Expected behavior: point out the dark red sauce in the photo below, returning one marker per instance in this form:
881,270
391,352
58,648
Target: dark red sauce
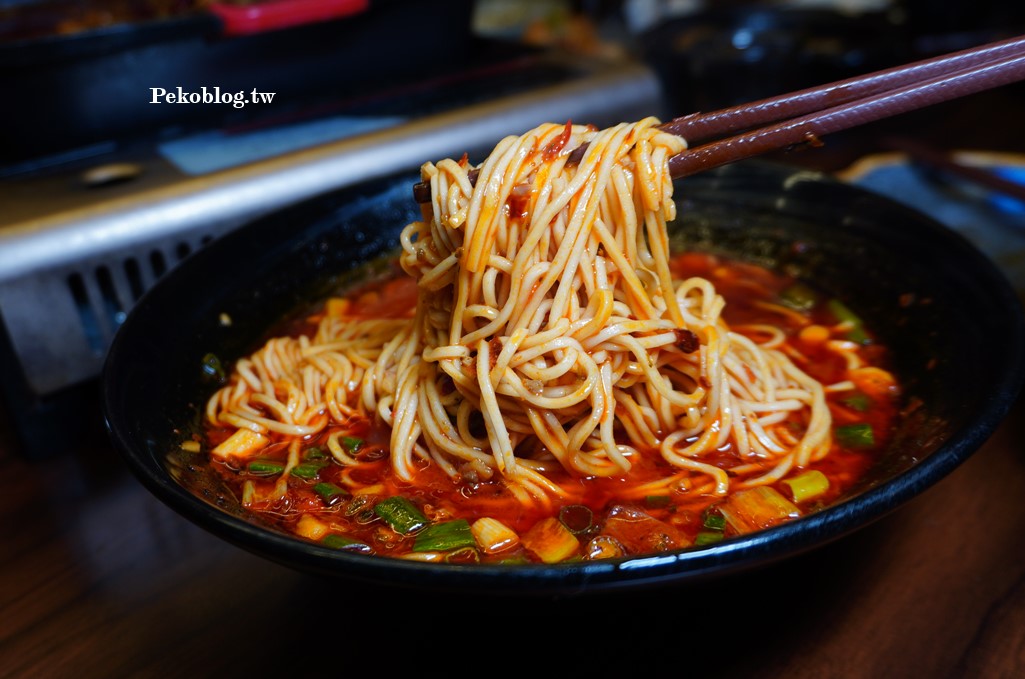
617,526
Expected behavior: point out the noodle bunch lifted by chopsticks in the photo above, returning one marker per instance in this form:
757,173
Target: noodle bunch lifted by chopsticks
547,309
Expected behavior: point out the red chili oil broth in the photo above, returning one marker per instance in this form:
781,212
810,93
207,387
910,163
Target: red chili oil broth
441,499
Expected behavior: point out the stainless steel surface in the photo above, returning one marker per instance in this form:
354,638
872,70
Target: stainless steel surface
71,267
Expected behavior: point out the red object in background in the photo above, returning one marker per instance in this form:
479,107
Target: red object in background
277,14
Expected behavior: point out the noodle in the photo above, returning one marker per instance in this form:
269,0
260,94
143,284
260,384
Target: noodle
548,311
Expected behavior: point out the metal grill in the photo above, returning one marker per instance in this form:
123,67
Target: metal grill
104,295
61,321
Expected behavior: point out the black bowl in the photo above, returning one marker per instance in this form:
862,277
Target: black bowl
953,322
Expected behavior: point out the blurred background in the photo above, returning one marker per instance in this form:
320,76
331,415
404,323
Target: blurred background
105,184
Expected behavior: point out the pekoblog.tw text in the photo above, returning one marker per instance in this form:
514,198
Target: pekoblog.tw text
209,95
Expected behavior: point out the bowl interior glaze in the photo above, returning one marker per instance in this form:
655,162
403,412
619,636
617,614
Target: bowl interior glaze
953,322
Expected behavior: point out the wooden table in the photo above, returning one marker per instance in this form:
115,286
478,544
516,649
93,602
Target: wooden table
100,579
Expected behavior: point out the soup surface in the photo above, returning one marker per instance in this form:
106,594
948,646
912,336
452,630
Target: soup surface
338,488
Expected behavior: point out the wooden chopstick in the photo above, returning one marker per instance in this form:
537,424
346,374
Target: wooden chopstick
698,127
803,117
810,128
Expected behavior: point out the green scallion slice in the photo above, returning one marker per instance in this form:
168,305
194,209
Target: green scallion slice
315,453
463,555
265,467
799,296
707,537
856,435
844,315
212,368
329,492
357,505
656,501
401,514
714,521
352,443
308,470
341,542
445,537
858,401
577,518
807,485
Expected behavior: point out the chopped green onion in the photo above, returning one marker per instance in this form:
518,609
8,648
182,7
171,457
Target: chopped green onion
401,514
352,444
366,517
656,501
577,518
463,555
858,401
308,470
492,535
604,547
707,537
807,485
755,508
845,315
265,467
799,296
341,542
357,504
856,435
445,537
714,521
212,368
329,492
315,453
550,541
